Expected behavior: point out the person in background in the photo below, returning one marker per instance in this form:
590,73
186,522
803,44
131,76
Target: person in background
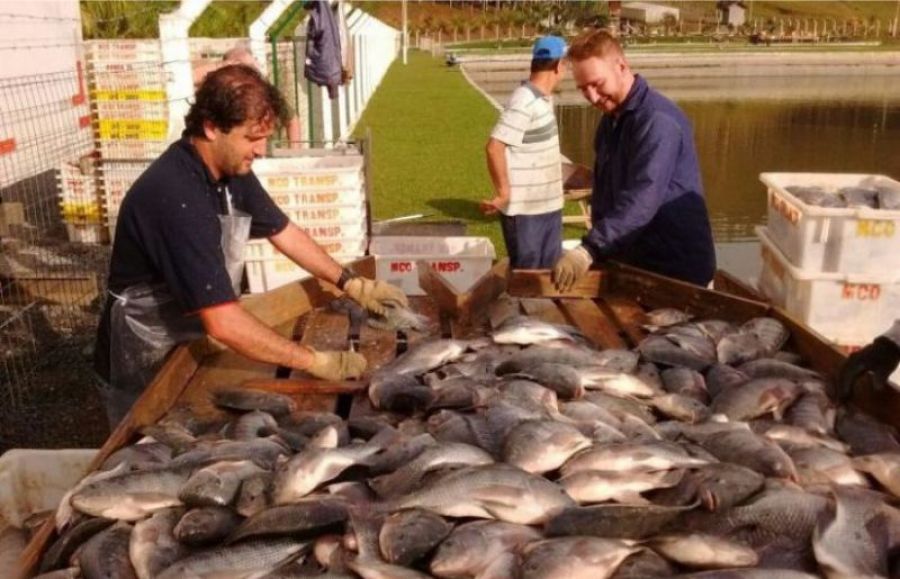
525,164
881,358
647,204
240,54
177,257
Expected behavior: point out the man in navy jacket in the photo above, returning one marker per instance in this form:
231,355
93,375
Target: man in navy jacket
647,205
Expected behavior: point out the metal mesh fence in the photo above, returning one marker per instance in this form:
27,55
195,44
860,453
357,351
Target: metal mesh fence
48,285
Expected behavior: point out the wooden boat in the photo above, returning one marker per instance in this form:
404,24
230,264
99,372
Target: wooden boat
607,306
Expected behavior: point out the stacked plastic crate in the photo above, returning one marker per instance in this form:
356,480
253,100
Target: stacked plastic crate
830,253
128,96
323,194
80,201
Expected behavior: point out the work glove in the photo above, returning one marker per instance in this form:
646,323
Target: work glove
336,365
571,267
371,294
881,358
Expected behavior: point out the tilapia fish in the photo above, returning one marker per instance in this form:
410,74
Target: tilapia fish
707,451
398,317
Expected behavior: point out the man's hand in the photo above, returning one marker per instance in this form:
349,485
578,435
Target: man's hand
336,366
371,294
571,267
881,358
493,206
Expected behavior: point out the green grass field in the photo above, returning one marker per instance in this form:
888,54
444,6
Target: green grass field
429,127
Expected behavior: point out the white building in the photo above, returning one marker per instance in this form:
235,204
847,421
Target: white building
648,13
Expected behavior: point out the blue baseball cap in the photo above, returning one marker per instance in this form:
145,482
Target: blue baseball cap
549,48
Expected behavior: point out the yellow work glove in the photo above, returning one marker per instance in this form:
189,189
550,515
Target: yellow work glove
337,365
571,267
371,294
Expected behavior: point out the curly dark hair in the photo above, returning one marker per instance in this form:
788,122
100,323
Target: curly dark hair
232,95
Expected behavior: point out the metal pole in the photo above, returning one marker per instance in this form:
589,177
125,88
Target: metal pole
405,33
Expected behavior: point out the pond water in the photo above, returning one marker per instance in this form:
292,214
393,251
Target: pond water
748,125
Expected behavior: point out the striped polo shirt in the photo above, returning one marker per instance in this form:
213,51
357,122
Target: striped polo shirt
528,128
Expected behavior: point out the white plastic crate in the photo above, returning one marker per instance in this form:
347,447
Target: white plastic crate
289,174
268,273
262,249
823,239
326,214
136,109
847,308
136,150
86,232
329,231
461,260
306,198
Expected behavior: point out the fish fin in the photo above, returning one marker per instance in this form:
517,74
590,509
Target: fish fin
630,497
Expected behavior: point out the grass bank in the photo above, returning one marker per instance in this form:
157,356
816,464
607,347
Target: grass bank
429,128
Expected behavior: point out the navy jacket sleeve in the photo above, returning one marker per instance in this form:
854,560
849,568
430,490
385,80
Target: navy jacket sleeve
652,152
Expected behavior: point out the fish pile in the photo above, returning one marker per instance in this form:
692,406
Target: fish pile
708,451
880,197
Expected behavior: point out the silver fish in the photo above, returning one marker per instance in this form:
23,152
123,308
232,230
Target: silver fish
756,398
310,515
822,466
153,546
613,520
398,317
254,494
206,525
662,350
399,393
685,382
679,407
739,347
539,446
701,551
575,558
494,491
439,455
888,198
884,467
132,496
771,368
307,470
663,317
217,484
722,377
472,547
771,333
854,543
625,486
105,555
741,446
249,399
251,558
407,536
631,456
523,330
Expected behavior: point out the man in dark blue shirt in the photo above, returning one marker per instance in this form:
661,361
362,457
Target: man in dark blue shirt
177,257
647,204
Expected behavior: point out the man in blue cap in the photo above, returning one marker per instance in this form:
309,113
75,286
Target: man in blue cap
524,163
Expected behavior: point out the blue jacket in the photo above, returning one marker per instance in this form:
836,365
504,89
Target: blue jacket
323,46
647,205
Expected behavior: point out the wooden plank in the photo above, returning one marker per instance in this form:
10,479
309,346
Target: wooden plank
536,283
378,346
296,386
441,291
656,291
545,310
626,314
727,283
325,330
593,322
291,301
485,291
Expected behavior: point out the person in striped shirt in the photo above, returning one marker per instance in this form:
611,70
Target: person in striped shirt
525,164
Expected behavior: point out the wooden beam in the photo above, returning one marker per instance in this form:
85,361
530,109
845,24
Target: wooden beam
627,315
305,386
593,322
324,331
441,291
485,291
727,283
545,310
656,291
536,283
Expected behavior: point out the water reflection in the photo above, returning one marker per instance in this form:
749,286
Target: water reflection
739,138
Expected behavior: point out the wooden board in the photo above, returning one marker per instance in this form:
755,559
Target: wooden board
378,346
324,330
425,306
593,322
545,310
627,315
439,289
534,283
